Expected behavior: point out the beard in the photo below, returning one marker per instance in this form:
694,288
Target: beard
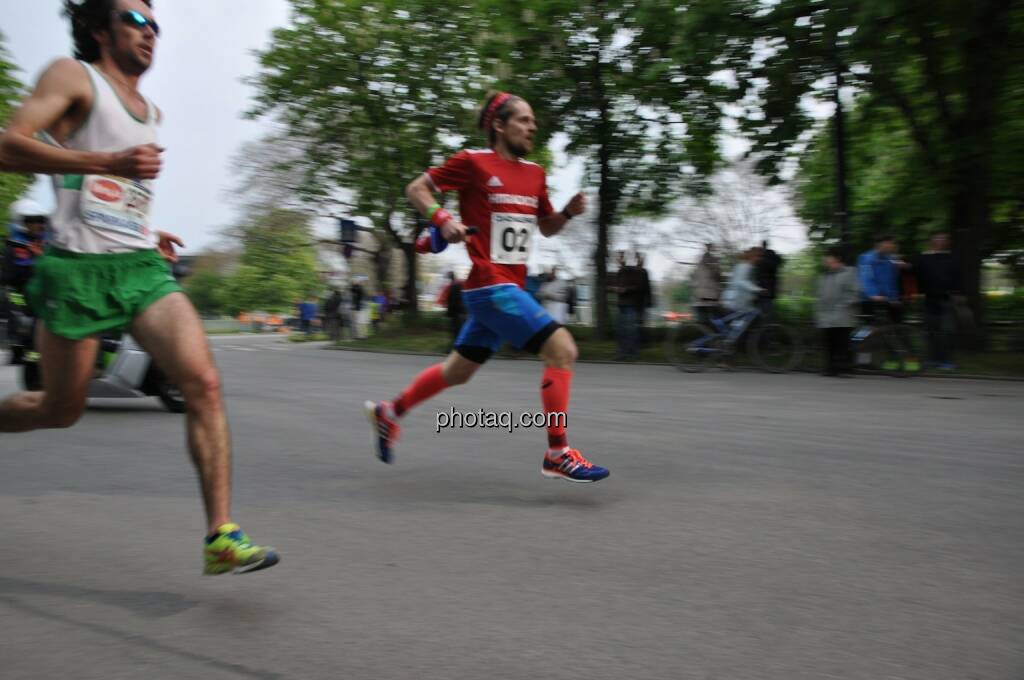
127,61
518,150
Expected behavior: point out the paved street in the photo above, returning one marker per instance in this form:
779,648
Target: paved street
754,526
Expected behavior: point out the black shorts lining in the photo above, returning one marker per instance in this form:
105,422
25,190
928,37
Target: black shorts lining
477,355
536,343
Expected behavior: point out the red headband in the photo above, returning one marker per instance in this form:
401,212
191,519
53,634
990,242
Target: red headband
498,101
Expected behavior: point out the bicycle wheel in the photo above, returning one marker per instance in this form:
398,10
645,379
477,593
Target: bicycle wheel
692,347
774,348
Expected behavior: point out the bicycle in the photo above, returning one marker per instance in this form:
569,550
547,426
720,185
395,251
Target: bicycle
893,349
692,347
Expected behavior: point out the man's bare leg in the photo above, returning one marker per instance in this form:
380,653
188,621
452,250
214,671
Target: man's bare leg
172,333
67,367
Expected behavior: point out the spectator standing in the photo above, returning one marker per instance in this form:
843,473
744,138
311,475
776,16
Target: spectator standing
938,278
554,296
646,299
766,275
307,313
706,285
629,286
878,277
359,318
332,315
835,312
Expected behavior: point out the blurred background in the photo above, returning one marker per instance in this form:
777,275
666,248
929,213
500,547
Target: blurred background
797,125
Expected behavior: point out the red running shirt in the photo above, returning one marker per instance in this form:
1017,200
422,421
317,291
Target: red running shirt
503,199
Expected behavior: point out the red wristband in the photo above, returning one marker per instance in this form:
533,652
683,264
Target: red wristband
441,217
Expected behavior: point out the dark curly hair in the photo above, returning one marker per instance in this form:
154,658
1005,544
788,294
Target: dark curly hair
503,113
88,17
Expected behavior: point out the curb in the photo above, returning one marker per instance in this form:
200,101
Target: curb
402,352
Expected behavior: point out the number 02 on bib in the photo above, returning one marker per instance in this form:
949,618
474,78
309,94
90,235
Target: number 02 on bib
511,237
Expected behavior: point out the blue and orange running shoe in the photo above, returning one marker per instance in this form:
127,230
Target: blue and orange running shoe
381,415
230,550
570,465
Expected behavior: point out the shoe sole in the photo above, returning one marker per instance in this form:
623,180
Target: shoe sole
265,563
559,475
371,415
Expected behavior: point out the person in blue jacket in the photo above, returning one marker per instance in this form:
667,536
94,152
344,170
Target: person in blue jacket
878,273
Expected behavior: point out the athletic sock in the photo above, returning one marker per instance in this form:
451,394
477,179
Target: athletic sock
554,394
427,384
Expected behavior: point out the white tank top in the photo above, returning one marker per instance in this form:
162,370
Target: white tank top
101,213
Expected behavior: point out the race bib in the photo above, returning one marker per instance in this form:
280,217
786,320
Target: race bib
116,204
511,237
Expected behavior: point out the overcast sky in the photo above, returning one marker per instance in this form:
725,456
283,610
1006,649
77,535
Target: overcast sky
204,52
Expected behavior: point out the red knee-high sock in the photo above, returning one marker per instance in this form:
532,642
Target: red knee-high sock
427,384
554,394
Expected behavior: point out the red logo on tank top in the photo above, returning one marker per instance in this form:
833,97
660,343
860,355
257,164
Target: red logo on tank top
108,191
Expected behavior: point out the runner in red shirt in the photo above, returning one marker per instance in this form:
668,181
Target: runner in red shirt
505,199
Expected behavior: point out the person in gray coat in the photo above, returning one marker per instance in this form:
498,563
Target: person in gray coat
706,286
835,312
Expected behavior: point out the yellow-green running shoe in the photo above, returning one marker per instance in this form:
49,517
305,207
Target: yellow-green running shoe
231,550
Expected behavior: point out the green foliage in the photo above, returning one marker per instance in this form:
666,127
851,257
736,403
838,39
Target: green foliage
375,92
679,295
208,291
278,265
12,185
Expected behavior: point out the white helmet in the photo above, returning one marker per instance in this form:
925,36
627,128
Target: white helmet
26,207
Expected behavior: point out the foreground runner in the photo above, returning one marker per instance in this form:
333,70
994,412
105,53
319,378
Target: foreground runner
104,270
503,197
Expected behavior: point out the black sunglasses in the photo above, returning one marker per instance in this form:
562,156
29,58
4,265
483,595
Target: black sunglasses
133,18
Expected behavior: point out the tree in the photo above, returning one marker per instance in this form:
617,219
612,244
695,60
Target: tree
208,291
891,189
373,90
278,263
738,212
950,71
12,185
583,69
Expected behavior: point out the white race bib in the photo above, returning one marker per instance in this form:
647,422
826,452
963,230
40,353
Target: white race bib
116,204
511,237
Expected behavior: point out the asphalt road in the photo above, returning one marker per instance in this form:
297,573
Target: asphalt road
754,526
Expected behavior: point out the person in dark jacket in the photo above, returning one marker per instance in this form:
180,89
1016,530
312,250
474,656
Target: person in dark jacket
938,278
766,275
332,315
630,289
646,299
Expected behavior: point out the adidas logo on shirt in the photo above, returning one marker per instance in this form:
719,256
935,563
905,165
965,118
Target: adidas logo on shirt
494,182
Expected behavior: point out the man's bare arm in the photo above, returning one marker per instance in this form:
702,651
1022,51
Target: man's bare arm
63,86
554,223
420,193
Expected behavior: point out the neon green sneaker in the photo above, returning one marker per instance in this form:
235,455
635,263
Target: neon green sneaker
231,550
890,365
912,365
